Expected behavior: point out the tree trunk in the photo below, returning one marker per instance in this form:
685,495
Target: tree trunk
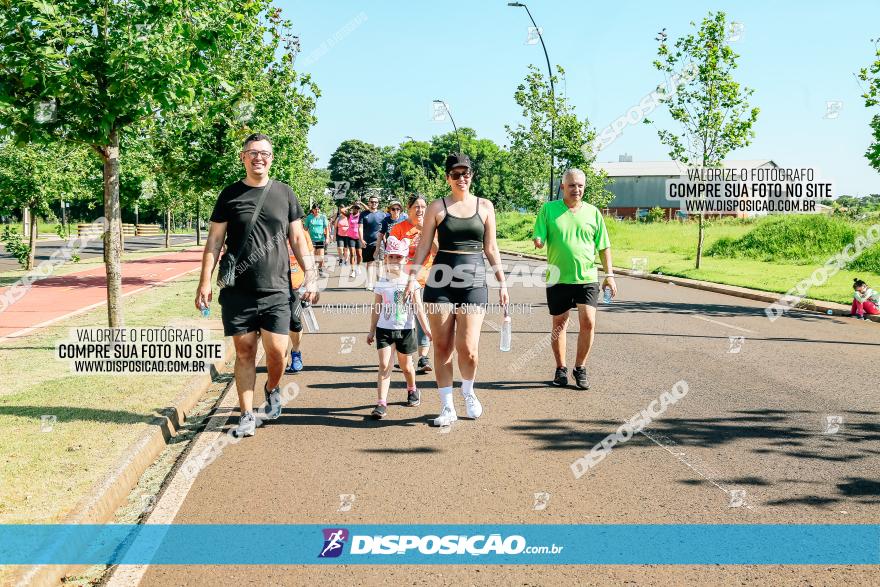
167,227
199,222
32,239
700,243
26,222
112,240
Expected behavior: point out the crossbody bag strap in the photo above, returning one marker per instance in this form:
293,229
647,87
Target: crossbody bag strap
253,220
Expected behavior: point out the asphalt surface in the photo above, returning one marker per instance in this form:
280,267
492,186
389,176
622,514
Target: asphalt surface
755,420
94,248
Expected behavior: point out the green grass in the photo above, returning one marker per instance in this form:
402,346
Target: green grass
671,249
44,474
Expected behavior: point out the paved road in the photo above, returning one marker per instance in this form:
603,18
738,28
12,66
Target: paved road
95,248
752,420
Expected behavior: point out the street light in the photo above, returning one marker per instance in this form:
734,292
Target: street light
457,138
552,92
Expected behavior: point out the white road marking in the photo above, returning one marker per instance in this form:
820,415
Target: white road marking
722,324
179,486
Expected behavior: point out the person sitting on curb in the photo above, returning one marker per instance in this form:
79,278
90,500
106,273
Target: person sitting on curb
866,301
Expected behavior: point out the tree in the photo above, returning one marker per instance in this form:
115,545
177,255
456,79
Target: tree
34,176
360,164
85,70
711,107
416,168
871,74
530,144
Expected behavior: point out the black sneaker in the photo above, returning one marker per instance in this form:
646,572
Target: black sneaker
413,398
560,379
424,366
580,377
379,412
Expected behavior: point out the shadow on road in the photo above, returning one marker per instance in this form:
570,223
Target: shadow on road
795,434
714,310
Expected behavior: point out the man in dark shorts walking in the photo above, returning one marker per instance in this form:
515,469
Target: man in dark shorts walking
573,231
257,305
370,226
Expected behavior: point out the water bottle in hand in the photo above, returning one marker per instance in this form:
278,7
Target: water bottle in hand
506,333
206,311
309,315
607,294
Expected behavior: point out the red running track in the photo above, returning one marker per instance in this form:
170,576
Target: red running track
55,298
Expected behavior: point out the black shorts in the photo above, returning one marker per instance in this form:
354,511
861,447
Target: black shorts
354,242
247,311
404,341
562,297
341,242
318,244
296,309
370,253
457,278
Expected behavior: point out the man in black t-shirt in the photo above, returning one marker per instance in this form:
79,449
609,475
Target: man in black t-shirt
258,305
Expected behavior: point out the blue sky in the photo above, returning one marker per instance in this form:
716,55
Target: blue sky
379,78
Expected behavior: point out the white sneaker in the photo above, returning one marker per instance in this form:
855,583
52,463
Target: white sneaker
247,425
272,408
351,274
474,407
447,416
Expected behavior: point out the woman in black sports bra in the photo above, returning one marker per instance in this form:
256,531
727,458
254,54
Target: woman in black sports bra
455,294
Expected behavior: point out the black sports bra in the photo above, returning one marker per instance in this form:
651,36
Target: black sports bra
461,235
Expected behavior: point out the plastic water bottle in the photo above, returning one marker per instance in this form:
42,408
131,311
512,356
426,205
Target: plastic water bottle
506,332
206,311
607,294
309,315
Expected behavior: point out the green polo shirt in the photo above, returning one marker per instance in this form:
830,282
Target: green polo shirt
572,239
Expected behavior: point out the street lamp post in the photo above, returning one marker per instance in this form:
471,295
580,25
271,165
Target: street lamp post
552,93
457,138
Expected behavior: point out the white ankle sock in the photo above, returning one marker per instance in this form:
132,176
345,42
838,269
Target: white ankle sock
467,386
446,398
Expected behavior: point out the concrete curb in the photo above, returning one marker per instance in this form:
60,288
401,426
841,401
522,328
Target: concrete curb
730,290
111,492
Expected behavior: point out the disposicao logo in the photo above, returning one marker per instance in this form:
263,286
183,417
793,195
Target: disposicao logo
334,541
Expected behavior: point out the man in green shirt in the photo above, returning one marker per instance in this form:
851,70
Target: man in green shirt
573,231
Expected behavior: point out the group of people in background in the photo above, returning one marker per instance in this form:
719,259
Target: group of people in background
432,291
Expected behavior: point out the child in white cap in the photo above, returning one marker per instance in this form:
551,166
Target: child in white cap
393,325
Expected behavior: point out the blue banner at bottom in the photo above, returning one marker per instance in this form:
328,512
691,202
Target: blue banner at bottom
536,544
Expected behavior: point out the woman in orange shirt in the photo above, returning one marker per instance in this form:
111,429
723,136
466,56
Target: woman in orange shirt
411,228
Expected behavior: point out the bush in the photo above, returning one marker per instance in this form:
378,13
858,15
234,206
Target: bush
798,239
515,225
655,214
869,260
15,246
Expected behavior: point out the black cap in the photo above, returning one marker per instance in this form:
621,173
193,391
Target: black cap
457,160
